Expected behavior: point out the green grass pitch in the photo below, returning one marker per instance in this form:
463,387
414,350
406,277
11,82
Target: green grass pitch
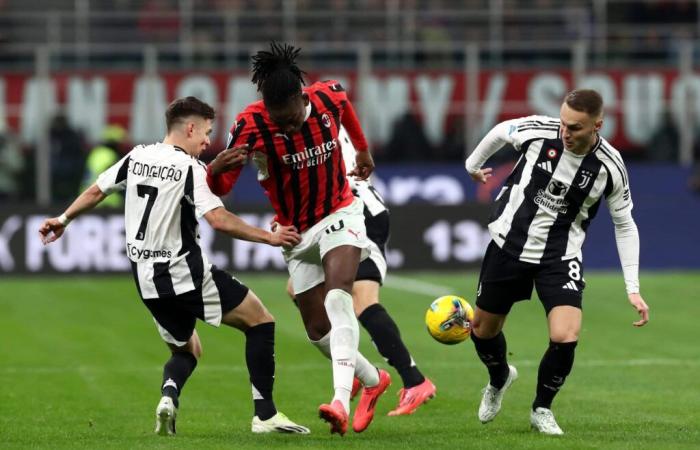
81,361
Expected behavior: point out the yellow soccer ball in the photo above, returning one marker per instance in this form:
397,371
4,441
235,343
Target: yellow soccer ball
449,319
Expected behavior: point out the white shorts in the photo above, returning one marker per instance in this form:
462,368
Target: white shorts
345,226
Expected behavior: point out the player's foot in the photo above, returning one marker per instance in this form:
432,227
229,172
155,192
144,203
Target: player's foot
410,399
491,401
335,415
364,413
279,423
356,385
542,419
166,412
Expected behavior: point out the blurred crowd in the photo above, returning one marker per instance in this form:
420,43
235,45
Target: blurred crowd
645,28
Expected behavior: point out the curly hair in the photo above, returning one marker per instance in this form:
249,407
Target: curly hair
276,73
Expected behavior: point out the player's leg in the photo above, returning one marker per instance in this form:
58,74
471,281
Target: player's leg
176,327
386,336
560,289
318,329
503,281
371,314
223,299
251,317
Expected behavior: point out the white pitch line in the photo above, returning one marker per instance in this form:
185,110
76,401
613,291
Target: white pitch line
649,362
416,286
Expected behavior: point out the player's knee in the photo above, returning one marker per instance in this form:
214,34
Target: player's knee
564,333
316,330
484,329
290,289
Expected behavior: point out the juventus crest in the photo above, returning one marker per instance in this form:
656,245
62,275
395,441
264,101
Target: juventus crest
585,178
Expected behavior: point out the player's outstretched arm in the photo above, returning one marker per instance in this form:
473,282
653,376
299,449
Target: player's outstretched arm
54,227
487,147
222,220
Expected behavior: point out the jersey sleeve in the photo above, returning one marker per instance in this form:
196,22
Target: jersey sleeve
352,124
114,178
204,199
242,132
617,190
531,127
348,117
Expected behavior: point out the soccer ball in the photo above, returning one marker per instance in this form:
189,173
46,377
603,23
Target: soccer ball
449,319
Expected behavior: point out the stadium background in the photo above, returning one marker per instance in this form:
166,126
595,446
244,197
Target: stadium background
429,78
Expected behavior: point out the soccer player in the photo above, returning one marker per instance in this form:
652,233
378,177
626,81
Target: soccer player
166,191
538,227
292,135
365,294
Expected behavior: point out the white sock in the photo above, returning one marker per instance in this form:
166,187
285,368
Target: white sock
364,370
345,337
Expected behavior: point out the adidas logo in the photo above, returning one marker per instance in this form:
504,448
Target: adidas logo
571,286
545,165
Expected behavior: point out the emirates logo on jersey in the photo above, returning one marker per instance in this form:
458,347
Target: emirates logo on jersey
326,121
311,156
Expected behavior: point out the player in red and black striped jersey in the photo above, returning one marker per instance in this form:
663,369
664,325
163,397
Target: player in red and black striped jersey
292,138
297,153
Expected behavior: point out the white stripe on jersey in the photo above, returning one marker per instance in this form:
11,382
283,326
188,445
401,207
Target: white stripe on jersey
362,188
499,228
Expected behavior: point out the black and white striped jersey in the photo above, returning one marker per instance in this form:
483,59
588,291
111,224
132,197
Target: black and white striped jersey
360,188
166,192
551,196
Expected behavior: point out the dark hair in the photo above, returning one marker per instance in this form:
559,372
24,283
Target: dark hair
585,100
276,73
186,107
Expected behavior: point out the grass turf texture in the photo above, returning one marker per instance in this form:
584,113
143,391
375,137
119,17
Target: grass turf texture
81,368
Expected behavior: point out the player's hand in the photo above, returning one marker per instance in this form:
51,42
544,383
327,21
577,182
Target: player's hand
285,236
364,166
51,230
230,159
481,175
638,302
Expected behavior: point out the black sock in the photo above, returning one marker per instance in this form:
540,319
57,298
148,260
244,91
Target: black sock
260,358
176,372
492,352
386,336
555,366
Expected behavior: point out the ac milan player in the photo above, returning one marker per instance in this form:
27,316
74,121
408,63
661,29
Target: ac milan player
292,136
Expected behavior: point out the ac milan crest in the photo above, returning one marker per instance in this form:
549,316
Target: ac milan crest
326,120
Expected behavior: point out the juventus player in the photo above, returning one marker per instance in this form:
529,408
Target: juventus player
538,227
166,191
292,135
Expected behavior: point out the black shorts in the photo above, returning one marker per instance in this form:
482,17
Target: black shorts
505,280
378,232
176,316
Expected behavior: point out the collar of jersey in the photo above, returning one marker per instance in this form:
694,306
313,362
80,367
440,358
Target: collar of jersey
308,112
